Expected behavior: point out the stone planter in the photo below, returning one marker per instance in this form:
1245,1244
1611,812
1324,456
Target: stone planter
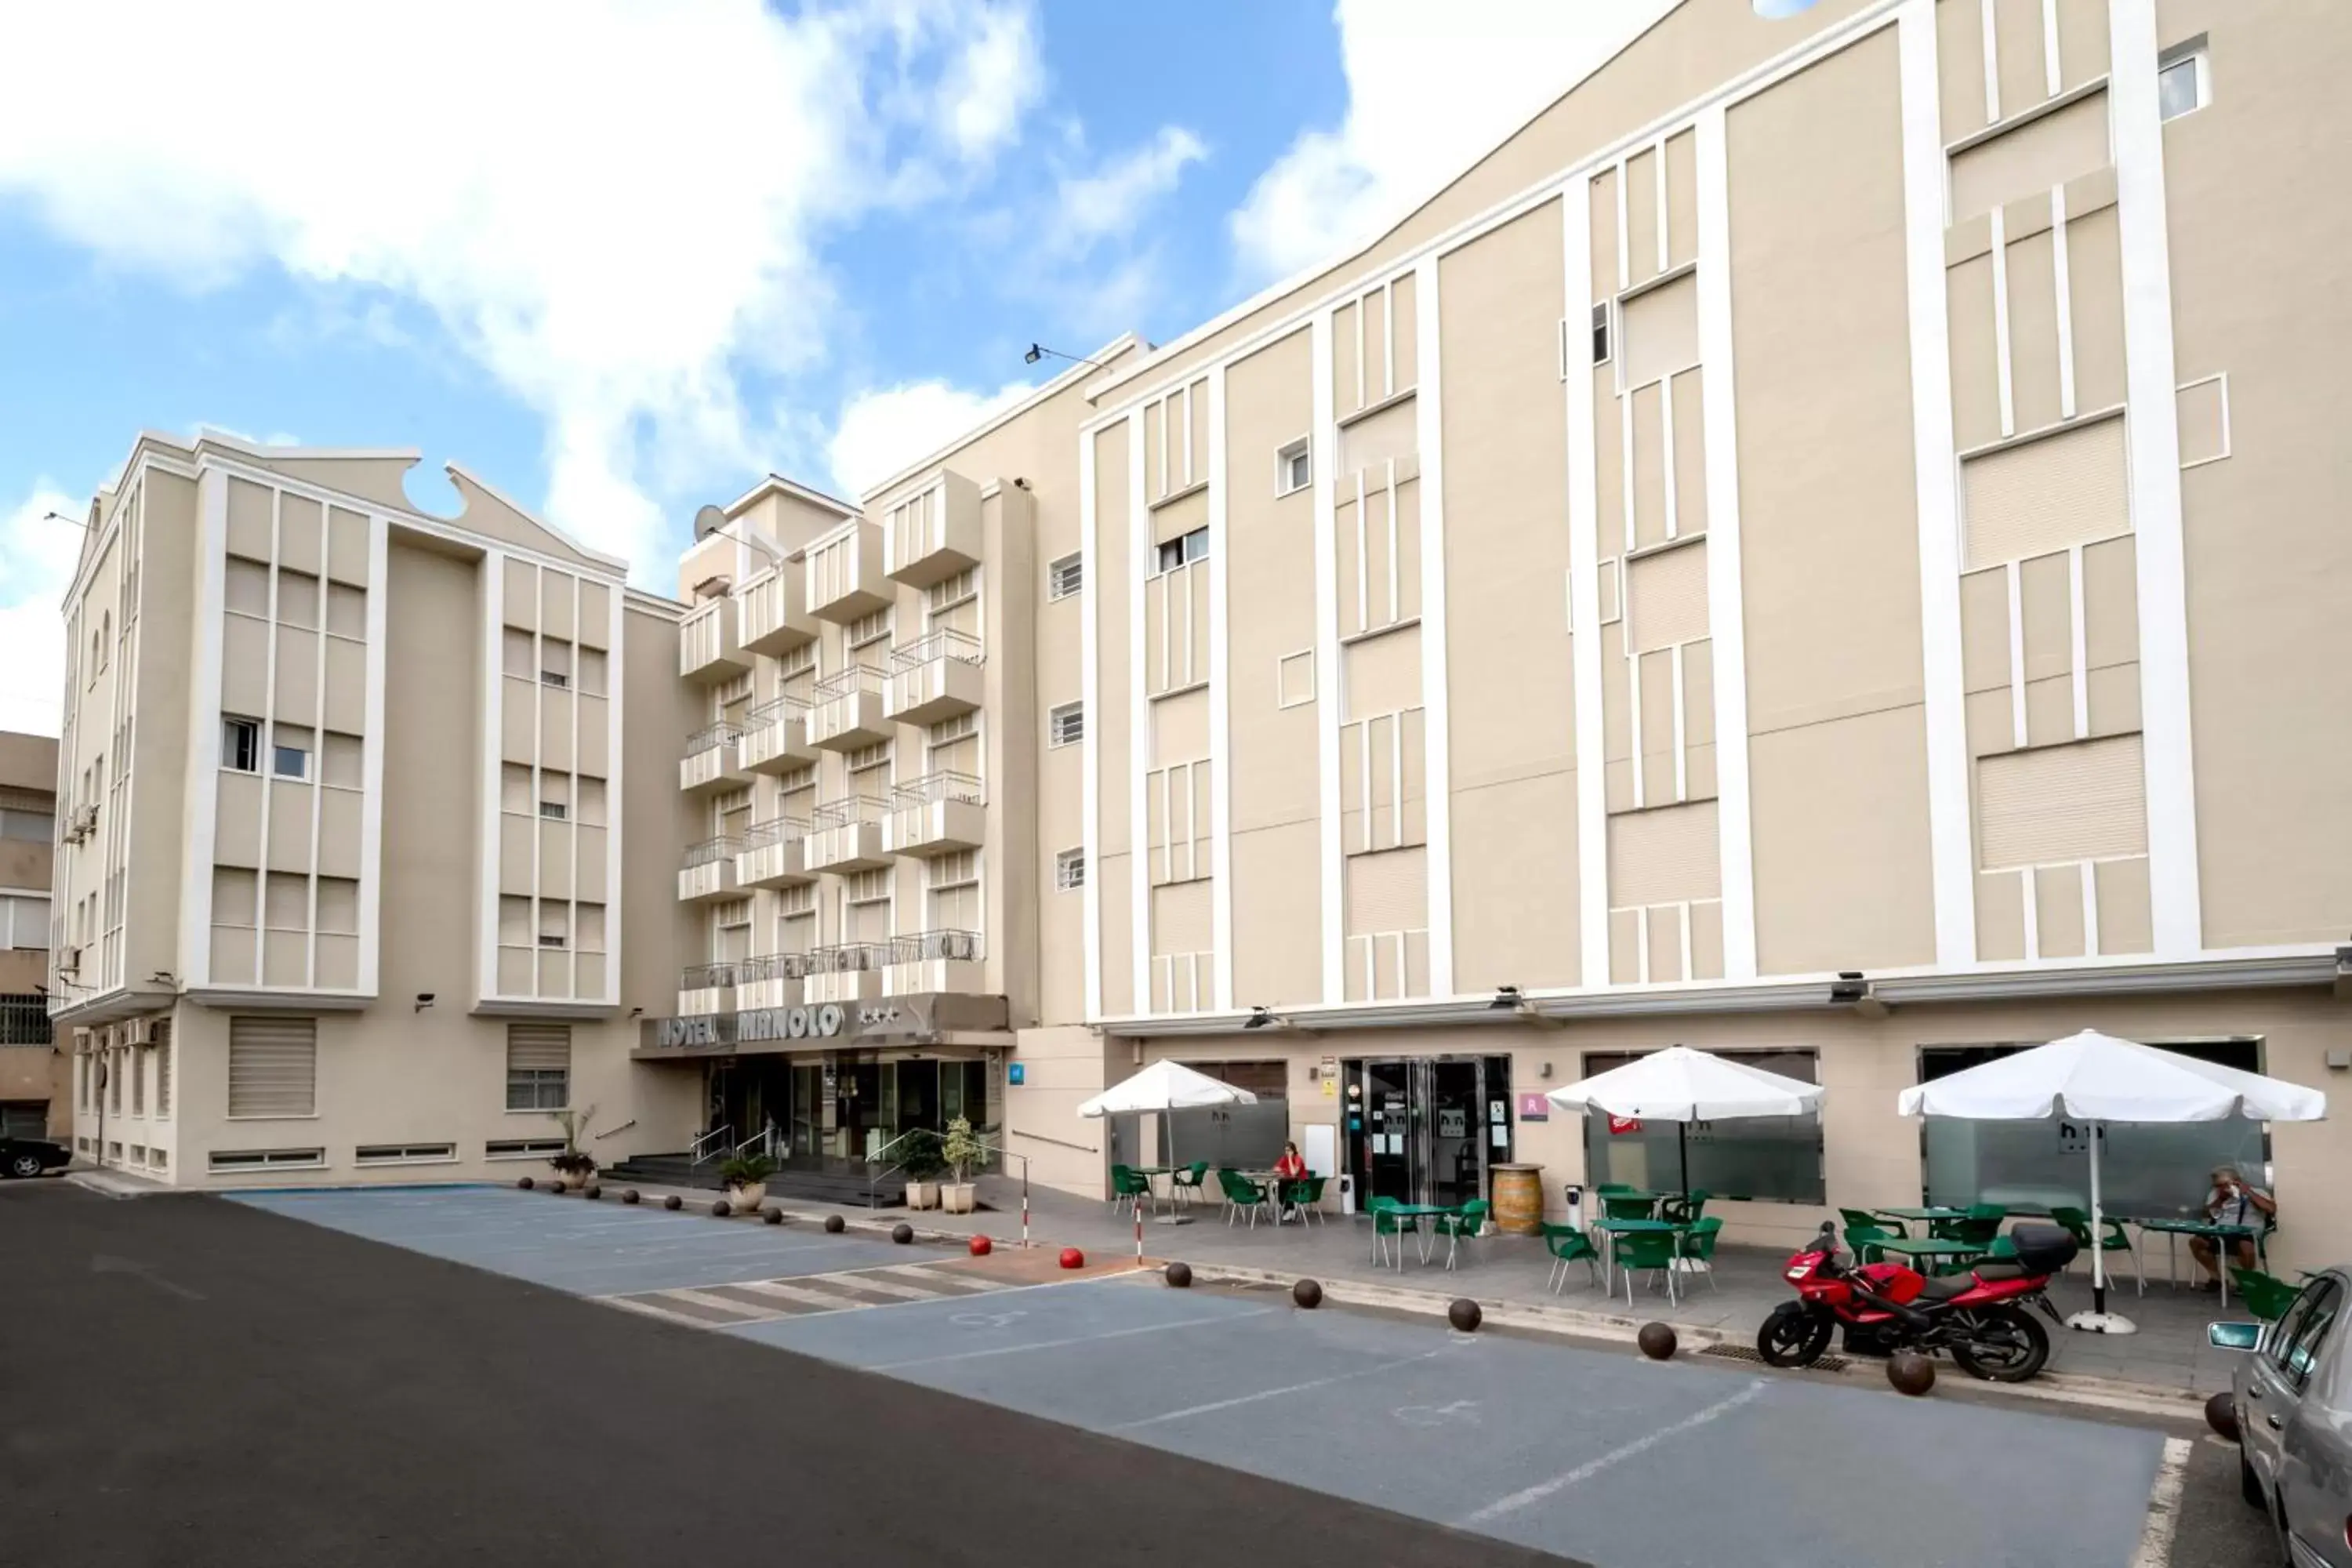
958,1198
574,1180
746,1199
922,1194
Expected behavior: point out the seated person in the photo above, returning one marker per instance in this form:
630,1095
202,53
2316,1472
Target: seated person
1286,1170
2231,1202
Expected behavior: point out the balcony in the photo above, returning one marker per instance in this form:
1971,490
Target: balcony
935,532
848,971
775,737
777,980
774,854
847,835
713,761
706,871
844,573
706,988
935,814
849,714
934,678
708,647
775,618
935,961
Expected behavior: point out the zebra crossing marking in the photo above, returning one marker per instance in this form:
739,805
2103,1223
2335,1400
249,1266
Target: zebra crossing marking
846,1290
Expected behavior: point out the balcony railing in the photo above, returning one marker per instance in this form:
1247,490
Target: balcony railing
939,786
775,830
709,850
945,643
937,946
774,710
776,966
849,810
713,735
851,680
850,958
707,976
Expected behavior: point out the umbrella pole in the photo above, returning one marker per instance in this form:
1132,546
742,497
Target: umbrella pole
2098,1320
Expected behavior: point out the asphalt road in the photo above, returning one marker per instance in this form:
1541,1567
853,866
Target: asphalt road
192,1381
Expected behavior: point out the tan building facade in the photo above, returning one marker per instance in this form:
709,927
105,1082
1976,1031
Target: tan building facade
1768,557
33,1072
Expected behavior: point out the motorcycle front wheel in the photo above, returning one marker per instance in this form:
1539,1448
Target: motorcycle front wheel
2002,1345
1793,1335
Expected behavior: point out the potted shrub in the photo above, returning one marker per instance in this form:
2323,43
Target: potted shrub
964,1153
746,1176
918,1158
575,1165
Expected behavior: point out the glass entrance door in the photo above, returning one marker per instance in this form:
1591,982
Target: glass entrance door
1424,1130
1390,1167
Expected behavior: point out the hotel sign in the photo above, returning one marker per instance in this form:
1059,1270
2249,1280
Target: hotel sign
818,1023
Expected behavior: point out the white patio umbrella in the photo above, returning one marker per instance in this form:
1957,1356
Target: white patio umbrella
2096,1078
1679,1084
1165,1086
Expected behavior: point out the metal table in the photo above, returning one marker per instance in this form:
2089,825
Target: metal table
2173,1230
1623,1226
1932,1250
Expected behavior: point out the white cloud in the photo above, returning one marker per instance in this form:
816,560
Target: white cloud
616,208
37,556
1109,202
881,432
1429,89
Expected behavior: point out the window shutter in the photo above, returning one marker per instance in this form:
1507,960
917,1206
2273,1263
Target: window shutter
273,1067
539,1048
2056,803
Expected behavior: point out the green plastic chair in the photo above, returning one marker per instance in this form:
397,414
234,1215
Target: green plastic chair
1698,1242
1624,1205
1465,1222
1569,1245
1241,1194
1387,1226
2112,1237
1981,1224
1645,1249
1190,1181
1305,1194
1684,1208
1868,1221
1863,1240
2265,1297
1128,1186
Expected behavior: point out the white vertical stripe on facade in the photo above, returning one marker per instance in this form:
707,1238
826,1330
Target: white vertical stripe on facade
379,600
1388,336
572,806
2063,275
1138,710
2051,75
2154,456
317,743
2080,638
1992,60
493,852
1584,591
2014,580
538,762
1667,446
1634,711
1090,709
203,729
1221,740
1330,695
1624,253
1950,844
267,742
2033,914
1726,607
1658,168
2000,324
1437,769
2090,910
1626,441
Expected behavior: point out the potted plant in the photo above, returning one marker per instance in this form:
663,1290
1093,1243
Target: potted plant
575,1165
964,1152
918,1157
746,1176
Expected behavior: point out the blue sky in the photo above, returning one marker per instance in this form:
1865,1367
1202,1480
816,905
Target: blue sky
621,256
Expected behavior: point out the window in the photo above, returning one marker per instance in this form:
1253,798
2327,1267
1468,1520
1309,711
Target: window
289,762
553,678
1600,333
521,1148
1066,725
555,924
949,592
1184,549
31,826
1294,469
869,629
163,1068
228,1159
2296,1341
273,1066
2183,80
1066,576
241,745
403,1154
24,921
1770,1157
553,810
539,1069
1070,871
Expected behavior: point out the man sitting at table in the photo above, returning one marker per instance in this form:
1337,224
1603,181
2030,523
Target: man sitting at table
2231,1202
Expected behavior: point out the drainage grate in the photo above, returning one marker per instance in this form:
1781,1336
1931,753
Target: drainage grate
1828,1362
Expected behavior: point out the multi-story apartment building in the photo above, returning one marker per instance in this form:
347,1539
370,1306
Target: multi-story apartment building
33,1102
346,822
1816,546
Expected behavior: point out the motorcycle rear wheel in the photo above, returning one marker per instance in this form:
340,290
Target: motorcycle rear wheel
2004,1345
1793,1335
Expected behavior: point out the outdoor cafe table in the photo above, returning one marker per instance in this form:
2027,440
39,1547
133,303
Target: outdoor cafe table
2173,1230
1416,1213
1930,1215
1930,1251
1274,1185
1623,1226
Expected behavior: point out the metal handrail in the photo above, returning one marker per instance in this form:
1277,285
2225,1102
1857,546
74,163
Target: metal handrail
919,947
945,643
776,966
711,735
698,1151
776,707
765,1138
944,785
849,811
624,1127
1058,1142
774,830
724,848
850,957
706,976
850,680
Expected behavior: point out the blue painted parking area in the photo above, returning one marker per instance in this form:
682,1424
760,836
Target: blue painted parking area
1590,1453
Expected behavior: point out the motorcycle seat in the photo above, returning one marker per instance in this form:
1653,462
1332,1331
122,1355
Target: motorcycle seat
2002,1268
1944,1287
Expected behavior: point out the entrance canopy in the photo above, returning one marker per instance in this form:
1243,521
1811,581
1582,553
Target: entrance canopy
1165,1086
1679,1084
2098,1078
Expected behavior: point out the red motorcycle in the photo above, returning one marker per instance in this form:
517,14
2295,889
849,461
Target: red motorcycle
1981,1316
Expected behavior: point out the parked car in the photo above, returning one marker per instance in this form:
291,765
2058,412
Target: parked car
2291,1398
31,1156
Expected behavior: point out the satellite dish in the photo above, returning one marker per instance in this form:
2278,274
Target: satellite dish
708,520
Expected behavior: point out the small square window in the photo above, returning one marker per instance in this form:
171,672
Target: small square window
290,761
553,810
1183,550
1294,469
2183,84
1066,576
241,745
1600,333
553,678
1066,725
1070,871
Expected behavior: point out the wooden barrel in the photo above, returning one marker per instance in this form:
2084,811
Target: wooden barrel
1519,1198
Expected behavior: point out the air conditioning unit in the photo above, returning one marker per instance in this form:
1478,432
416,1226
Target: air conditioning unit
68,961
139,1032
82,824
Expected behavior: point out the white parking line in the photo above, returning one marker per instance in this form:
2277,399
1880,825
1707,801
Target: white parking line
1076,1340
1615,1456
1271,1393
2163,1507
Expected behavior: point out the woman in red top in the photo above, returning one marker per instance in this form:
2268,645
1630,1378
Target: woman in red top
1286,1170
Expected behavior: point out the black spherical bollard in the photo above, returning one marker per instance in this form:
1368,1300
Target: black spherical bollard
771,1214
1910,1373
2221,1414
629,1194
526,1183
1657,1341
719,1208
673,1202
591,1192
902,1233
834,1225
1308,1293
1180,1275
1464,1315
